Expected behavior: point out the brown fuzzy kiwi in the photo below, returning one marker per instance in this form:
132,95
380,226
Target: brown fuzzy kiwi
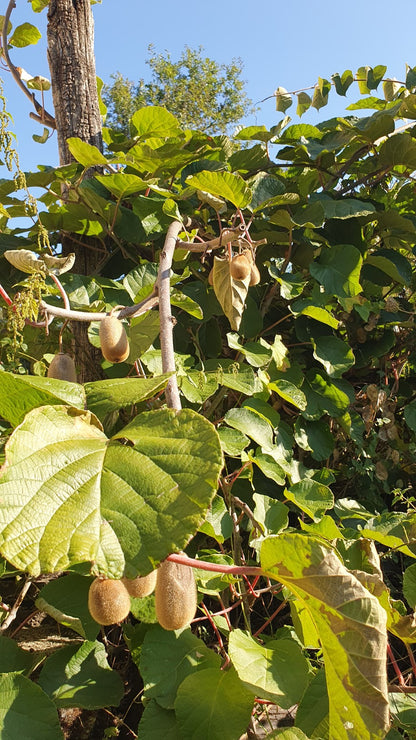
240,267
113,339
108,601
176,595
254,275
62,367
142,585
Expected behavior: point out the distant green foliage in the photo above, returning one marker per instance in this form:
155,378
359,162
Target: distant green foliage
201,93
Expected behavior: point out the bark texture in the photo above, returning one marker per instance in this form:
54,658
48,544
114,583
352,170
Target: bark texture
72,67
71,60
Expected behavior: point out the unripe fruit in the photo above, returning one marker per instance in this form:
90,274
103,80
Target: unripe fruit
176,596
240,267
113,339
254,275
108,601
142,585
62,367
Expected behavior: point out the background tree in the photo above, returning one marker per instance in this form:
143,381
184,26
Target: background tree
201,93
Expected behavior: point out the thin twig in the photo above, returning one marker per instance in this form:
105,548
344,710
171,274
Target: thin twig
42,115
15,608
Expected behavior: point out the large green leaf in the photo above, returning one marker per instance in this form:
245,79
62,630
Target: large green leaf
223,185
70,495
13,658
86,154
277,671
19,394
311,497
156,723
104,396
154,121
352,628
26,711
223,708
79,676
338,270
166,658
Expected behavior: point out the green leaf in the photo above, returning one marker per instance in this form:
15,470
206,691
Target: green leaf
283,100
409,585
251,424
334,354
321,93
323,395
167,658
352,628
230,293
277,671
311,497
210,716
257,354
410,415
13,658
218,523
66,600
343,82
86,154
157,722
269,467
19,394
303,307
79,676
26,711
272,514
338,270
313,711
185,303
304,103
122,184
43,138
24,35
154,121
392,263
316,437
399,149
223,185
233,442
105,396
129,500
289,392
143,332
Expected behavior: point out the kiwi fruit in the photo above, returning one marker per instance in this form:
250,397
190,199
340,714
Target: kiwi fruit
240,267
108,601
175,595
113,340
254,275
142,585
62,367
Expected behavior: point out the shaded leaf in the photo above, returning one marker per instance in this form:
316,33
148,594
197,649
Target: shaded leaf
19,394
79,676
26,711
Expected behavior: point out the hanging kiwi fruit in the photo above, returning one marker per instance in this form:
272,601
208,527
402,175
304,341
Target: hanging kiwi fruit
142,585
175,595
113,339
108,601
62,367
240,267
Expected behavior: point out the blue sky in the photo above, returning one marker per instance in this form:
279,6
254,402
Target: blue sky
288,44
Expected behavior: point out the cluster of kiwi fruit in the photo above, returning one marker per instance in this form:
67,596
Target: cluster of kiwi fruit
242,266
175,596
114,347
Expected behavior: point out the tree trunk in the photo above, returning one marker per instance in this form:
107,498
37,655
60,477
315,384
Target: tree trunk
71,60
72,66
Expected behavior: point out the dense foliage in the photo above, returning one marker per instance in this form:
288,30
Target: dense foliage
201,93
293,457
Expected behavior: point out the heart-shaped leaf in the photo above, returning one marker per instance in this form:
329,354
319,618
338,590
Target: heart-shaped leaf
69,494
